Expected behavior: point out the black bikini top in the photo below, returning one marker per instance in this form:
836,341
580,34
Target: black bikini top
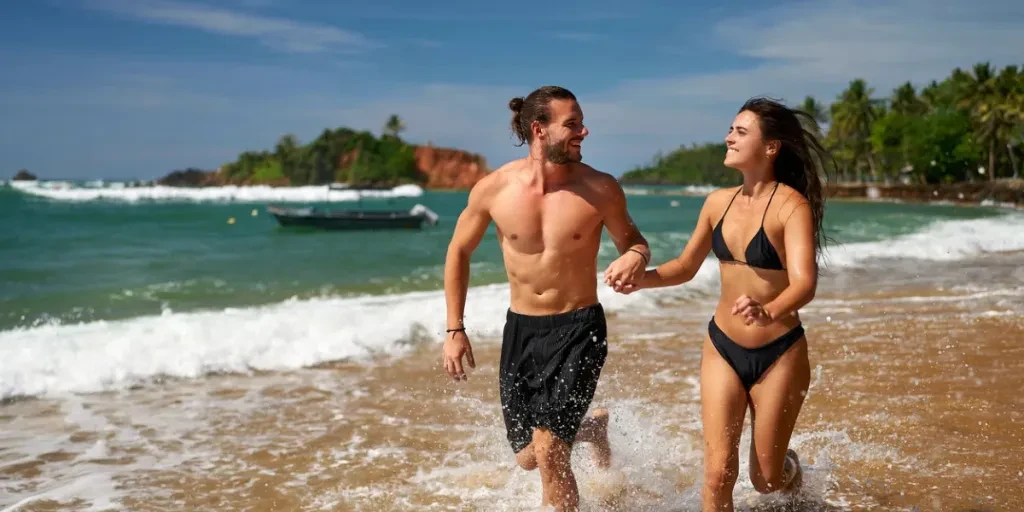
760,252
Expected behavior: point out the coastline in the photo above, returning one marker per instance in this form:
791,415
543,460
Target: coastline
1005,192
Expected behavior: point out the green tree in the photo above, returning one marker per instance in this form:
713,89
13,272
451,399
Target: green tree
979,95
694,165
817,112
906,102
394,126
850,131
940,146
287,152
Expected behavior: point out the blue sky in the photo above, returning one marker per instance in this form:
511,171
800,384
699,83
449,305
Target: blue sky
136,88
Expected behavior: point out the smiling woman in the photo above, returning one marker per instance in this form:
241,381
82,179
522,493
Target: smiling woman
755,351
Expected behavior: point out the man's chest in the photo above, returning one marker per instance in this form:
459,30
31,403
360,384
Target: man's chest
560,220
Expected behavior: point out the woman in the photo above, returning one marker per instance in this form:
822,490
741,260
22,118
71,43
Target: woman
767,235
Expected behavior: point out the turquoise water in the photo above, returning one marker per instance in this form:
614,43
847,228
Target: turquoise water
69,262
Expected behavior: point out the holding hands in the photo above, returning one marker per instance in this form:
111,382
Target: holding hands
625,273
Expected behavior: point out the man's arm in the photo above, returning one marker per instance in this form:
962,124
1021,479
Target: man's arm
634,252
469,231
617,221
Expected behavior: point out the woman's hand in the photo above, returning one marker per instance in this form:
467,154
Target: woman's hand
752,311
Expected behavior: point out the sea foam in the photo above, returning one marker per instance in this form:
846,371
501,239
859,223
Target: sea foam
67,191
100,355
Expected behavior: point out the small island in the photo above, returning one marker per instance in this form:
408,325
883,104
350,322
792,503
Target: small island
24,175
344,155
961,139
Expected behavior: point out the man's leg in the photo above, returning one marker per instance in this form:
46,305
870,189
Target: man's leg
570,358
527,458
593,429
556,477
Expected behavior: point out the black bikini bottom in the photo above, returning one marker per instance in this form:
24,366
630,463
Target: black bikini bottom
750,364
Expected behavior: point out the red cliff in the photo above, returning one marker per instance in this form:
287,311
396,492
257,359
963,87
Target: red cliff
450,168
443,168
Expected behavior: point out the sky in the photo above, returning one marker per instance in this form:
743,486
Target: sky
132,89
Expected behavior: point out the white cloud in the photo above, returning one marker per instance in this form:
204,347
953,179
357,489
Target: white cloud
809,49
815,49
278,33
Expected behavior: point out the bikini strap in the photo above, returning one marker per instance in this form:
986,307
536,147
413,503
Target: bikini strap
765,214
730,204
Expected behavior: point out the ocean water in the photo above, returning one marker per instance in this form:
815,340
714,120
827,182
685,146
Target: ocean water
155,356
109,269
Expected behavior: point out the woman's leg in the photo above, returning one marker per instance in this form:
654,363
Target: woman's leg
776,401
723,404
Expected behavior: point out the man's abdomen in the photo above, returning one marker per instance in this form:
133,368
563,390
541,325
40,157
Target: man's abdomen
546,283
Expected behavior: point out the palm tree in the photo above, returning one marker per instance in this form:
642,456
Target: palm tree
905,101
817,112
394,126
320,158
852,117
978,95
287,152
1007,111
286,146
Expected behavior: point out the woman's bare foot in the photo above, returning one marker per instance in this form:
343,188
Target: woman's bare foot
794,474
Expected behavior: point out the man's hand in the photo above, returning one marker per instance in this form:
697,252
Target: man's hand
455,346
625,270
626,288
752,311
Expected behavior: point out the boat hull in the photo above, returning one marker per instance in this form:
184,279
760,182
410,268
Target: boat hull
349,221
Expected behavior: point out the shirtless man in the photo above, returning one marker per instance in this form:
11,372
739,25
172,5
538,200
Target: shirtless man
549,210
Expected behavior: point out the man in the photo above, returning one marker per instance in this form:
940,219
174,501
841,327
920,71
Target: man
549,210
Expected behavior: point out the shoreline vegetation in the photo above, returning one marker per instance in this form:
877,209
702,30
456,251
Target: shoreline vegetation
966,129
341,155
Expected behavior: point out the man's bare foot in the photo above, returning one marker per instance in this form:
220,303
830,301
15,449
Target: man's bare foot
794,474
602,454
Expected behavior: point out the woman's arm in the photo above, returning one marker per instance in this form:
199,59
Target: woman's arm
802,268
682,268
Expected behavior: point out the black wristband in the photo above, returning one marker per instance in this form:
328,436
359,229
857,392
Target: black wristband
646,261
460,329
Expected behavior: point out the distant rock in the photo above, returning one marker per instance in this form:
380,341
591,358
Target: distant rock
190,178
442,168
447,168
24,175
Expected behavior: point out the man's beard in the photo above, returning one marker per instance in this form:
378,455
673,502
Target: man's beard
558,154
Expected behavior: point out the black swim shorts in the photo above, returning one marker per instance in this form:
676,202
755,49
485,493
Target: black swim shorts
549,369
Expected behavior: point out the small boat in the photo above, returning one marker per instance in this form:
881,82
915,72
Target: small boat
373,220
358,188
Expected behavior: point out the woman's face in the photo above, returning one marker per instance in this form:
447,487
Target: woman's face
745,148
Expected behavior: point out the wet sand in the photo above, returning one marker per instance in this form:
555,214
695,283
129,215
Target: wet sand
915,404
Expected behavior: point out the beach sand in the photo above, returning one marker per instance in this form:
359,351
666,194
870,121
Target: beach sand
915,404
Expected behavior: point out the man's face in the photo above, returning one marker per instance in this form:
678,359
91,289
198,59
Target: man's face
565,133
